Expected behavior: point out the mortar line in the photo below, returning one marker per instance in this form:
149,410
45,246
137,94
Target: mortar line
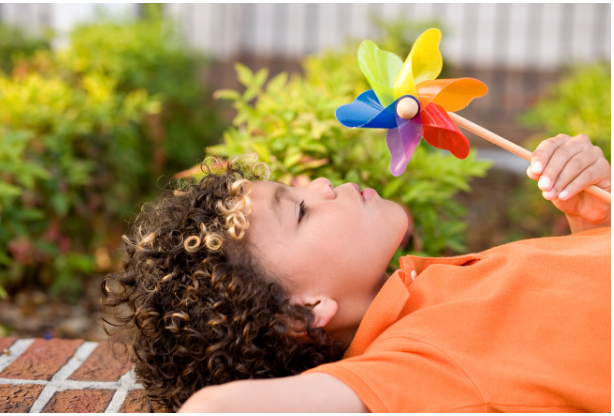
84,351
128,380
118,399
42,399
16,349
74,384
16,381
69,384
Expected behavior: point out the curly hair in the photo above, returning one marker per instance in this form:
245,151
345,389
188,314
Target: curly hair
191,303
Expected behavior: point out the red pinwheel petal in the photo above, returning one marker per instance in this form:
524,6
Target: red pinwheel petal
441,132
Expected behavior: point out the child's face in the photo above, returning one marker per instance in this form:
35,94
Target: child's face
340,249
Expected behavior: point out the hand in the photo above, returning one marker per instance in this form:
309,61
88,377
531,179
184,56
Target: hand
565,166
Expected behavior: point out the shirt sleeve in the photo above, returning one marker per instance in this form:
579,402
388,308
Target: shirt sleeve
405,375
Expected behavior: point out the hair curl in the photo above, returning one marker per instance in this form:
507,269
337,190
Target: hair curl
194,306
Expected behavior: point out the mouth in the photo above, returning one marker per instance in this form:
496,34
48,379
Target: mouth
368,193
358,190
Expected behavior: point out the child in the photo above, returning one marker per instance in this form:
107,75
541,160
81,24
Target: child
238,278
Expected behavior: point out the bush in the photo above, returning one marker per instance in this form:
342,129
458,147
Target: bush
580,103
15,45
151,55
290,122
84,134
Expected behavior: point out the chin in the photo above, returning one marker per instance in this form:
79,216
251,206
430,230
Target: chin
398,223
400,218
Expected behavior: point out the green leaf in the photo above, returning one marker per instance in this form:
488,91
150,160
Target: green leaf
392,187
261,77
277,83
60,204
8,190
291,159
262,151
5,259
245,75
227,95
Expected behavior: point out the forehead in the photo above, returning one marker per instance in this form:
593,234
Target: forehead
266,197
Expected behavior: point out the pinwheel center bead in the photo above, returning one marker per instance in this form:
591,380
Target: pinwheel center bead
407,108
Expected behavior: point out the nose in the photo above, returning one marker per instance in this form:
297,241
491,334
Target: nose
325,187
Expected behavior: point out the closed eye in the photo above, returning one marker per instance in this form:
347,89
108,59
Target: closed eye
302,211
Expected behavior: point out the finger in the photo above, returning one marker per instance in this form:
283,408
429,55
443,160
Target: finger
532,174
574,167
543,152
560,157
594,174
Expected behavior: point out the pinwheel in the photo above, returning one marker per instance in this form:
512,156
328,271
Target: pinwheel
409,101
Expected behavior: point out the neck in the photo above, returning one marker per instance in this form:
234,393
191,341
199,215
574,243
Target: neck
345,334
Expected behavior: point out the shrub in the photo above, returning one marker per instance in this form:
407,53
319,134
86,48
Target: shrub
15,45
580,103
84,134
290,122
151,55
64,152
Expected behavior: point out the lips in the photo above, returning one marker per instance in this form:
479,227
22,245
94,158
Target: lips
368,193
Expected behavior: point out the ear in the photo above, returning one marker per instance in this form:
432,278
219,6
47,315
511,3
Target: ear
323,309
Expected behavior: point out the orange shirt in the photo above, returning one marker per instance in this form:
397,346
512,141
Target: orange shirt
524,327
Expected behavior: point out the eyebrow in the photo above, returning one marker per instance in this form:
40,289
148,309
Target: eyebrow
280,191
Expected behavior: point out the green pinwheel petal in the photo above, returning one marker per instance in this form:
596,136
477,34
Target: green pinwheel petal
380,68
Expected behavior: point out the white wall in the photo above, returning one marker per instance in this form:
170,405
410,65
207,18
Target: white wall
60,17
523,36
539,36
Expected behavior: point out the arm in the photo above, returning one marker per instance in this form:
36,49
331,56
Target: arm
317,392
564,166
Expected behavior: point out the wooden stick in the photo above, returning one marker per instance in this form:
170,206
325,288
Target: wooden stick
514,148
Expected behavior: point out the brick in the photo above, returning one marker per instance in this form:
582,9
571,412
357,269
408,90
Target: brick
6,342
18,398
42,359
136,402
101,366
79,401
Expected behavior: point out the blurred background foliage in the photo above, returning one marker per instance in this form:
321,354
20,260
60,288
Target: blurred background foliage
87,133
16,44
580,103
290,122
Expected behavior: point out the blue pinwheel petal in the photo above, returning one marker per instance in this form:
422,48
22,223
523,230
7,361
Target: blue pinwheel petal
366,111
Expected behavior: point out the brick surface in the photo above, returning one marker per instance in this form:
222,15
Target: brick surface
6,342
101,366
42,359
79,401
136,402
18,398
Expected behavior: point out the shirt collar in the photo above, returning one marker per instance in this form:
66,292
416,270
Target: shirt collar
382,313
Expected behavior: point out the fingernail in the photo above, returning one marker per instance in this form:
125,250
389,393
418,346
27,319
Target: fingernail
549,194
544,183
563,195
537,167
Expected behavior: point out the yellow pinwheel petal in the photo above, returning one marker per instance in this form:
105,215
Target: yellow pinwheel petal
452,94
423,63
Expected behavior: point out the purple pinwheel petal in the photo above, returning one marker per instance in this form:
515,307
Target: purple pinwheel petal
402,142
